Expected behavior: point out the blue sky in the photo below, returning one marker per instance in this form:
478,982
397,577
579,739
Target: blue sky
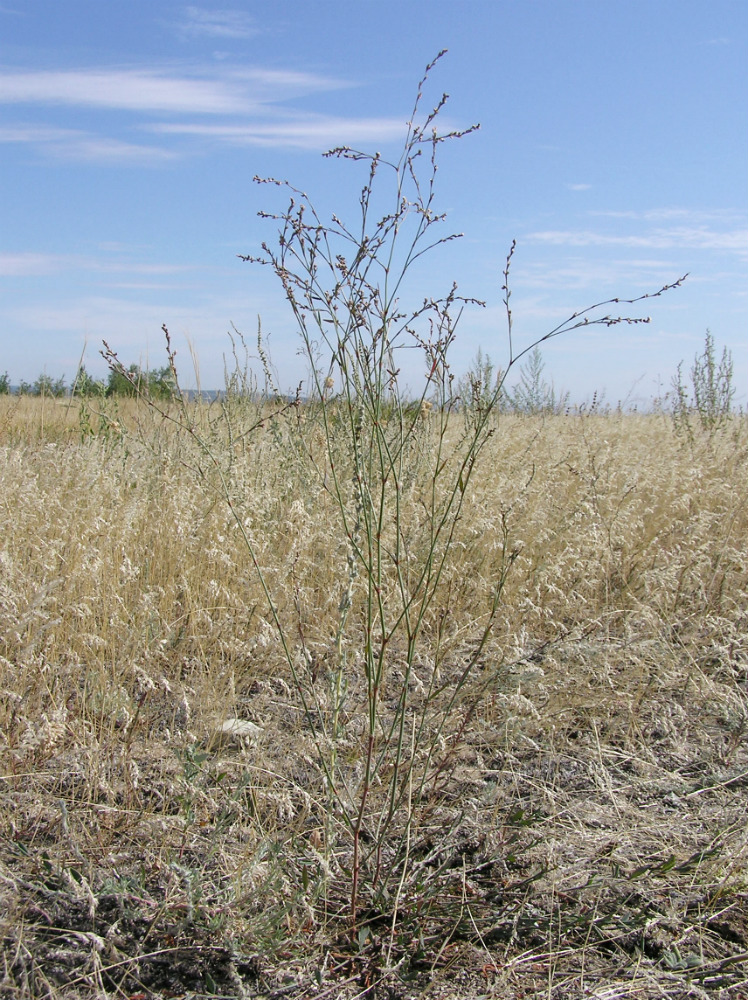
613,148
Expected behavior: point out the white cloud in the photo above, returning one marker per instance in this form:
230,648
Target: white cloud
277,83
36,134
131,326
127,318
73,144
679,237
582,273
132,90
309,132
694,216
139,268
21,265
113,152
34,264
579,187
234,91
246,98
217,23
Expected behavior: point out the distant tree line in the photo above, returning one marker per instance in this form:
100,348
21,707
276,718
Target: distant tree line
708,396
158,383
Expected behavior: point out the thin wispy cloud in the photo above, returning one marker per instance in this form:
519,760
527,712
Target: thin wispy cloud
200,23
125,89
579,187
308,132
146,286
22,265
229,91
690,215
252,101
114,152
273,85
76,145
136,267
36,134
582,273
679,237
127,322
34,264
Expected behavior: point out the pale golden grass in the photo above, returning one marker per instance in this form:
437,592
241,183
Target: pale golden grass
585,827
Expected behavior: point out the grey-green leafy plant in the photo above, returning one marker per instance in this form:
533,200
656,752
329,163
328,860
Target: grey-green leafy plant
480,388
4,384
533,394
484,386
707,401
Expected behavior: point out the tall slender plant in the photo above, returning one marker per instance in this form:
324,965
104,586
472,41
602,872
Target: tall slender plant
346,286
362,435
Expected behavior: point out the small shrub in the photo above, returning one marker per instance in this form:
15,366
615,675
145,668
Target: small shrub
346,285
708,399
532,394
480,386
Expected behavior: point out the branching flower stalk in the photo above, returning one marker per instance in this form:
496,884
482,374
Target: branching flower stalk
383,455
344,286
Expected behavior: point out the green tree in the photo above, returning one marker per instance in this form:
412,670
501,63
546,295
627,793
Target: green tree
123,382
161,383
135,381
44,385
85,385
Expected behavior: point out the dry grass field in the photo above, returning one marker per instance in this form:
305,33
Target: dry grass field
509,761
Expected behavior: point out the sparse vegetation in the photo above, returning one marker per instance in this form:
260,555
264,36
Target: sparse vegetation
346,695
590,810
